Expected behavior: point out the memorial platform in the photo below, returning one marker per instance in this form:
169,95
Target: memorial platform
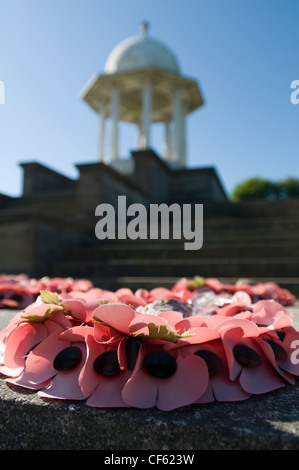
265,422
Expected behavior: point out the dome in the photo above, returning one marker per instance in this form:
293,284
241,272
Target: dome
140,51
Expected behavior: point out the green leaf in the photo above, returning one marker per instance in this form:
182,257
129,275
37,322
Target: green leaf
104,302
53,299
50,297
100,322
163,333
31,318
47,298
196,282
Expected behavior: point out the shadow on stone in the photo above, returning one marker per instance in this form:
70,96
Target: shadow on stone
269,421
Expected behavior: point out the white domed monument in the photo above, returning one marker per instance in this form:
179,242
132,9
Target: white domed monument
142,84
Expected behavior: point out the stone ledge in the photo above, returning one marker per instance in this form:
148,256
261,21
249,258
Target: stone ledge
265,422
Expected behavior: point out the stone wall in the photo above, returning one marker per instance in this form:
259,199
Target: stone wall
40,179
30,242
17,245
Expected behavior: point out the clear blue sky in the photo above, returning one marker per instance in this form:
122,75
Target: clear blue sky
244,54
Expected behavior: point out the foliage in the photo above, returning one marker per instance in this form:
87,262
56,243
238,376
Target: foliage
259,188
163,333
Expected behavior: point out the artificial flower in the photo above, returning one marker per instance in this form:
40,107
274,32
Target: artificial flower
165,379
246,360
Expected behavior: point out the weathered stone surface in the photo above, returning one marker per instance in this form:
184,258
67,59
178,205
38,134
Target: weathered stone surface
269,421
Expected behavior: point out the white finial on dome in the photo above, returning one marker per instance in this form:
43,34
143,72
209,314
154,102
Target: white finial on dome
143,27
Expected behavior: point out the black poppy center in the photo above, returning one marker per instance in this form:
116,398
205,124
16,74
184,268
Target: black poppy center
68,358
246,356
17,297
107,363
160,364
278,350
213,361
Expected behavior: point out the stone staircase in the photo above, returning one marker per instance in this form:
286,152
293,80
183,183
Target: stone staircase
247,241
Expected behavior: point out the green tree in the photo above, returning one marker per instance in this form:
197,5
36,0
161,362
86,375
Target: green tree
259,188
289,187
255,188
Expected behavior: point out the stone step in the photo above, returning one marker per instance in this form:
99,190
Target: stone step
260,223
212,267
263,422
241,244
217,233
217,239
237,222
263,225
169,250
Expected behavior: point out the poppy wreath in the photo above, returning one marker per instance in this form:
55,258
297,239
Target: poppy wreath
161,348
19,291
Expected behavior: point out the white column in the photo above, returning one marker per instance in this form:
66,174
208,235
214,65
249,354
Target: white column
102,114
167,141
179,129
146,116
139,136
114,114
184,150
